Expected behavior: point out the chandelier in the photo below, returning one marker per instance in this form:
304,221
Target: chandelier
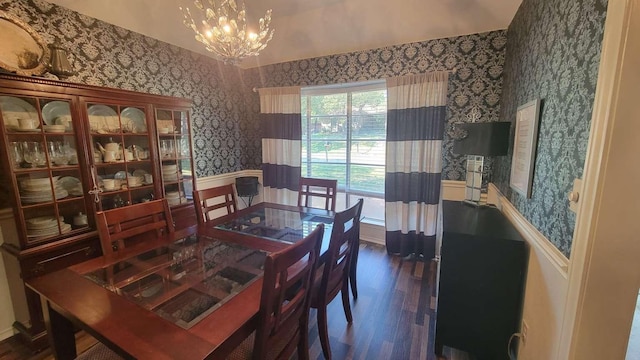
224,30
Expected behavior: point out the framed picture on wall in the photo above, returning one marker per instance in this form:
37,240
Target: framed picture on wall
524,147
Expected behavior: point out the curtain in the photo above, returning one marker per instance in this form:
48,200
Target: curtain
281,129
416,110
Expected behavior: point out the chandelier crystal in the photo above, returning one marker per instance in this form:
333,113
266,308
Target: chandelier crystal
223,29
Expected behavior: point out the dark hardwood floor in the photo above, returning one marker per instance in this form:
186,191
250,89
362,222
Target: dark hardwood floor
394,316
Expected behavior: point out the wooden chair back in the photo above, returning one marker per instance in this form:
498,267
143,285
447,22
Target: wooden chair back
135,222
215,198
333,277
284,305
346,229
321,188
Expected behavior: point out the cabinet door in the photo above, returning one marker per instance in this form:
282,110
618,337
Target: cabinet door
120,153
175,151
42,162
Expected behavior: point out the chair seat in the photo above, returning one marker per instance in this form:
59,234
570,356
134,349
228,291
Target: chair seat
99,351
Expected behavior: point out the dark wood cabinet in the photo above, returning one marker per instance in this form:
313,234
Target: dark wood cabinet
481,281
69,150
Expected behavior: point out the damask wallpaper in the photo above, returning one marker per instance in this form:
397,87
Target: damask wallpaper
107,55
477,84
225,109
553,55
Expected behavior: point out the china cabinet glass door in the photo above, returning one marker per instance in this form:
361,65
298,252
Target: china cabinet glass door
41,143
121,155
174,149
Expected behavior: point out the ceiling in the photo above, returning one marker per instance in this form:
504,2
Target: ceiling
312,28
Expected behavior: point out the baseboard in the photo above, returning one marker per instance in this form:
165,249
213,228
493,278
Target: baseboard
7,333
372,233
529,232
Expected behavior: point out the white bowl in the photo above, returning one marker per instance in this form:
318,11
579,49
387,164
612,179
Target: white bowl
54,128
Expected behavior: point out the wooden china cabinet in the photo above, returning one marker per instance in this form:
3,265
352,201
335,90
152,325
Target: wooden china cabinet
70,150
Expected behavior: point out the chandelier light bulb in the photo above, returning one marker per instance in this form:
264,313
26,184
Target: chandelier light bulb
224,29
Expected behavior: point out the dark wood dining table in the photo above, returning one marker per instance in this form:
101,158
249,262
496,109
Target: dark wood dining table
193,294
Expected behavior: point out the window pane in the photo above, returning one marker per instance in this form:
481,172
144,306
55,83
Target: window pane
335,104
328,127
330,171
305,122
368,152
369,102
372,208
367,178
373,126
349,142
329,151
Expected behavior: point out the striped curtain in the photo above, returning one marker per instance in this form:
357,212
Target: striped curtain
416,109
281,128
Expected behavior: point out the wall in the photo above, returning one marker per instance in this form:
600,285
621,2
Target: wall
553,52
107,55
478,60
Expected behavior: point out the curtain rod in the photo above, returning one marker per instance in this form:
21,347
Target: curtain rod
453,71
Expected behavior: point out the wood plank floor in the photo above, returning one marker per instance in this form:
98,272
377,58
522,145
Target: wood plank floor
394,315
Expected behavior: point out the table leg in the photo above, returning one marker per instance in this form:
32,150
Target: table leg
60,331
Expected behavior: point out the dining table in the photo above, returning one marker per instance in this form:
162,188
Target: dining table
191,294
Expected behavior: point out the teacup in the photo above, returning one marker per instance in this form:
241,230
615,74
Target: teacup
134,181
26,124
148,179
110,184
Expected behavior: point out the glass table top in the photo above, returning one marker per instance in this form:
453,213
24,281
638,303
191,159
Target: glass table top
186,280
278,224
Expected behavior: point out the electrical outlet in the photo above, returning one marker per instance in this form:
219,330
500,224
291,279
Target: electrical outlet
525,331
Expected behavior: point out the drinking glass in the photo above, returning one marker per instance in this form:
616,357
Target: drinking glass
33,153
16,154
57,154
166,147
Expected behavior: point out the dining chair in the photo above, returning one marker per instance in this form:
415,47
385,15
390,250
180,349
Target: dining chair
135,222
212,199
283,318
332,276
308,189
320,188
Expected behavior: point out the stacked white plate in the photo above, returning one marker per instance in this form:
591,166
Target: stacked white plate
44,226
175,198
39,190
170,173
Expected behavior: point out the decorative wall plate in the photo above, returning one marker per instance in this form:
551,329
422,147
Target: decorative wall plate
23,50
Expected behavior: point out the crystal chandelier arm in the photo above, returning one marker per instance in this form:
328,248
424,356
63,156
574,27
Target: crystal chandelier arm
224,30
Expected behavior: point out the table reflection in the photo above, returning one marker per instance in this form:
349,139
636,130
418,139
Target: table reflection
186,280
